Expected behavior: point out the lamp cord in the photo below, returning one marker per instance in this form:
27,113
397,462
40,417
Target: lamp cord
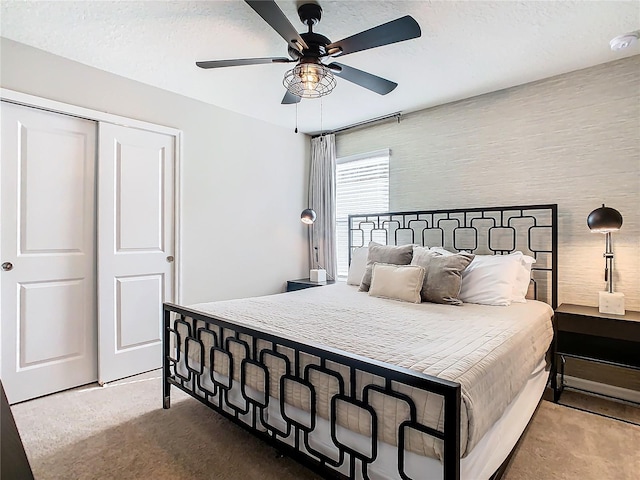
328,276
320,266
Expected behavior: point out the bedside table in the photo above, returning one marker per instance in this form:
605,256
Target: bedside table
586,334
302,283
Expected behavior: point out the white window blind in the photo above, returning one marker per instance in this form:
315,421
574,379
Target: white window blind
362,186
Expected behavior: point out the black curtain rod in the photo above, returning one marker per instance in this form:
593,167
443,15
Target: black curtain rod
397,115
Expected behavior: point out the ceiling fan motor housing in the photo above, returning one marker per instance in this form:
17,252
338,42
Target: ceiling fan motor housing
317,44
310,13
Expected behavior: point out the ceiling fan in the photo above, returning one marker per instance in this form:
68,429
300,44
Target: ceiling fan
313,76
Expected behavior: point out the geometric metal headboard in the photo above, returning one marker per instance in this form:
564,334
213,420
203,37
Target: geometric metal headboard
531,229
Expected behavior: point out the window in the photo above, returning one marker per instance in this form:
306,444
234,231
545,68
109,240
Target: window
362,186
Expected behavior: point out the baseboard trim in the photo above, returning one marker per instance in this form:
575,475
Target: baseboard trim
603,389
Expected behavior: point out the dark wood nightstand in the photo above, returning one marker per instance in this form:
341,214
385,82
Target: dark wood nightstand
586,334
302,283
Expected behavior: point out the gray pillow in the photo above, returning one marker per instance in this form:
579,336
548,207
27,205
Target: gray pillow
443,275
388,254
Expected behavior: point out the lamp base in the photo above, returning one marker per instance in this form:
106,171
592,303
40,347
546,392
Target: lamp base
318,275
611,303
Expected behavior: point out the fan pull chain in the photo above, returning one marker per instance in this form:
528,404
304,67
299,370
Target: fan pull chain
296,130
321,130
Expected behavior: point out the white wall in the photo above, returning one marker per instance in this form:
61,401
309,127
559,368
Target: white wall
573,140
244,181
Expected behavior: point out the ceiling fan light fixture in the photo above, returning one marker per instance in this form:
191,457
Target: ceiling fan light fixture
309,80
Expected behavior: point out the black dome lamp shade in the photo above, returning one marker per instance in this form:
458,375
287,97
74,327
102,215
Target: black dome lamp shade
308,216
604,220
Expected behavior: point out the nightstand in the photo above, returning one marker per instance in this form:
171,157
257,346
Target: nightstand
302,283
586,334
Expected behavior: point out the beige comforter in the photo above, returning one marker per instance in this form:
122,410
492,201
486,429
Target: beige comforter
490,351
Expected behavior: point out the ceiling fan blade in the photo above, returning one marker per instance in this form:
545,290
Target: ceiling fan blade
271,13
241,61
371,82
290,98
398,30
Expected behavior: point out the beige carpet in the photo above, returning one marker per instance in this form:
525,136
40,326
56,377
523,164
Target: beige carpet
121,432
624,411
563,443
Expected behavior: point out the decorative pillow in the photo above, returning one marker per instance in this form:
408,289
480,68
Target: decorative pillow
444,251
389,254
443,274
358,265
441,251
397,282
489,279
523,278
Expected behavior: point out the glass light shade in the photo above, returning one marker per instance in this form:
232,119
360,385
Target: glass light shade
604,220
308,216
309,80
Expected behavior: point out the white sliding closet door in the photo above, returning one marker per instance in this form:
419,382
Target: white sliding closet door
48,308
135,247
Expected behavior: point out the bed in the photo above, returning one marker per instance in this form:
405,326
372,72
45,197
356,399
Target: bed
433,391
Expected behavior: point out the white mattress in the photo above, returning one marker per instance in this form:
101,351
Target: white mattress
490,351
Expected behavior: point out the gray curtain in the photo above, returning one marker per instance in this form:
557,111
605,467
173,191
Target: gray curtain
322,199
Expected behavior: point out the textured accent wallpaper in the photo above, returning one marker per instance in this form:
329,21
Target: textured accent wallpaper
573,140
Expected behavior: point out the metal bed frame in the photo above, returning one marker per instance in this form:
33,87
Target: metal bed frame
499,230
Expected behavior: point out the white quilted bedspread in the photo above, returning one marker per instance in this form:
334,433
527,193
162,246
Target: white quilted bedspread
491,351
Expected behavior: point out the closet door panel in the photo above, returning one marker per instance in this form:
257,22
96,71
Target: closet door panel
136,321
49,323
49,332
60,179
135,247
139,198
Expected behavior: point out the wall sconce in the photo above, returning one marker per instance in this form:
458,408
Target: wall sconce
606,220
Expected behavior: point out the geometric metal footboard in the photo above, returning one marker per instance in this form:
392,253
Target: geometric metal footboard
184,335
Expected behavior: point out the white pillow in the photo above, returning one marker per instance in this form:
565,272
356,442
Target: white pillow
358,265
523,278
490,279
397,282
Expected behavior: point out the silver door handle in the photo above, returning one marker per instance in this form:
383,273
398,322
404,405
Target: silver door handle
7,266
170,258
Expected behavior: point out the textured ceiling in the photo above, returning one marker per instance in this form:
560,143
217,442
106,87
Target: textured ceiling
466,48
